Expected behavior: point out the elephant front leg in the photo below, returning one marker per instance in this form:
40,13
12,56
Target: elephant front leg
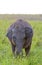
27,50
13,49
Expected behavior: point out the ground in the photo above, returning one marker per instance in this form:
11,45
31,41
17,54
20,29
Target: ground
6,55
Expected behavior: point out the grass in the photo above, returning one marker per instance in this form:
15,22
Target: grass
6,55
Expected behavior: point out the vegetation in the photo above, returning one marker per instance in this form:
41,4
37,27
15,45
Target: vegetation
6,55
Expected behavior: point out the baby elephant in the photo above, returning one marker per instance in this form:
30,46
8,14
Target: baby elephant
20,35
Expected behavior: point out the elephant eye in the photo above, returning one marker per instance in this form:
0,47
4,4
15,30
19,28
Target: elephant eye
14,38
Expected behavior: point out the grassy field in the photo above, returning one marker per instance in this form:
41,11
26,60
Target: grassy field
6,55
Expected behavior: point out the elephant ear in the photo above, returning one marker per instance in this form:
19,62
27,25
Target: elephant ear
28,32
9,34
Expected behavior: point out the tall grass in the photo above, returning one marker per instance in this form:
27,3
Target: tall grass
6,55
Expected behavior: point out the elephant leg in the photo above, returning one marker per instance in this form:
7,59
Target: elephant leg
13,48
27,49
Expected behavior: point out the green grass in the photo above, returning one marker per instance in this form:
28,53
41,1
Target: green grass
6,55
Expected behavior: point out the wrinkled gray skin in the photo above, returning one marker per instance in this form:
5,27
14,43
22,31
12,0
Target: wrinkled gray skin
20,35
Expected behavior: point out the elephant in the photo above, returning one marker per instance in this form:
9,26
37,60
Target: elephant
20,34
